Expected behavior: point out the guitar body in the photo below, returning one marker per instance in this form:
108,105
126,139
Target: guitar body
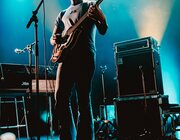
60,51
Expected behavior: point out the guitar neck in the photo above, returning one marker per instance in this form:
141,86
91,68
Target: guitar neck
75,26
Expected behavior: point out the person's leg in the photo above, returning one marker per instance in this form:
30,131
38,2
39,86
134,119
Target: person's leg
75,108
83,86
63,110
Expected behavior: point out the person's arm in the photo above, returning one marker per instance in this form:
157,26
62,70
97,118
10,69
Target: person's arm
99,18
56,36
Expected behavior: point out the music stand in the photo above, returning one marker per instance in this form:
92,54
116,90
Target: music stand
106,123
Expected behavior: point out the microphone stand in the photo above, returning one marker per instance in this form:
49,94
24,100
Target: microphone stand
35,20
106,123
30,51
146,132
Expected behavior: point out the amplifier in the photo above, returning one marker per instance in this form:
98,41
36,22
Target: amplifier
138,67
17,78
133,118
14,77
136,45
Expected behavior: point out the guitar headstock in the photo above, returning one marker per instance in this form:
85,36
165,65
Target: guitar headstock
98,2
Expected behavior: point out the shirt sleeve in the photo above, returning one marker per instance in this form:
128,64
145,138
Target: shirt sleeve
58,22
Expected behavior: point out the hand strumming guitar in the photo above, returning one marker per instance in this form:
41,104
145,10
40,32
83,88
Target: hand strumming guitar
58,39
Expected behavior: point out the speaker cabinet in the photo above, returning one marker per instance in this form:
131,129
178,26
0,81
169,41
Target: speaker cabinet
134,119
138,70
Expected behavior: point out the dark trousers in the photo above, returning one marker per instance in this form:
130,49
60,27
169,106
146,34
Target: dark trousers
75,71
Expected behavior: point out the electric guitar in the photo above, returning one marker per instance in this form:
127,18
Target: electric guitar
69,38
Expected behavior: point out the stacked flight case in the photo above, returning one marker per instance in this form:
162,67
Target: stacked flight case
140,88
138,67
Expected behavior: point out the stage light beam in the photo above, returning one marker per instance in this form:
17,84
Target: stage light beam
151,17
52,9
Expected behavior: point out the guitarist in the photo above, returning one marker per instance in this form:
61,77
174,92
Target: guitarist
77,68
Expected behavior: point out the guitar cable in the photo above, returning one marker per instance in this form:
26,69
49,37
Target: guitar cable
49,99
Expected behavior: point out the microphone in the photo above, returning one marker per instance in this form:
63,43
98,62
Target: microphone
18,51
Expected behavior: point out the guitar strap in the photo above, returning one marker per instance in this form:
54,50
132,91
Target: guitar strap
62,13
85,7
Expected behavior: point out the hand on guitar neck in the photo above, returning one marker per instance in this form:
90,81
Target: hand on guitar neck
96,14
